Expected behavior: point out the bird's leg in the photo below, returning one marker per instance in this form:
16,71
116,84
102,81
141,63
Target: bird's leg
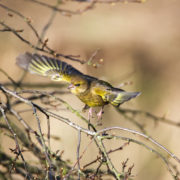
90,113
99,116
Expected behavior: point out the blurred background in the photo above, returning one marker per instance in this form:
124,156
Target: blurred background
138,42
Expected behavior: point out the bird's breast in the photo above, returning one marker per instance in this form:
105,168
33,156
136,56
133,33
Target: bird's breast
91,100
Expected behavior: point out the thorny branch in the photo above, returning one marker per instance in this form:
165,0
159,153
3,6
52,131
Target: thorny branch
98,136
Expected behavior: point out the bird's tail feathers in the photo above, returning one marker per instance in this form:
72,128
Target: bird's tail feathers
124,96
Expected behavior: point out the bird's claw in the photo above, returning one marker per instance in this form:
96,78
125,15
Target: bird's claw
90,113
99,117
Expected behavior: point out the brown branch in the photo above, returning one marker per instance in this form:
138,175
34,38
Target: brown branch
149,115
49,51
62,11
78,151
17,149
98,136
141,135
109,152
91,5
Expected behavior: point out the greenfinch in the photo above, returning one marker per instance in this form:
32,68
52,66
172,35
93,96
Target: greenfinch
90,90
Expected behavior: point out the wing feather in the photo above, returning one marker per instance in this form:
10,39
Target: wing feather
47,66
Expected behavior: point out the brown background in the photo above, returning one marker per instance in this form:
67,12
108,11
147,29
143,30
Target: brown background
138,42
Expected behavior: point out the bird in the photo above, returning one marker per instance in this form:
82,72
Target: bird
92,91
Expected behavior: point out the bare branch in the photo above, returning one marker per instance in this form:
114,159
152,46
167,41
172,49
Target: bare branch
149,115
78,149
17,149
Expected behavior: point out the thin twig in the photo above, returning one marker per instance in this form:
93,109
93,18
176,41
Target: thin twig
142,135
109,152
48,24
49,51
17,144
13,82
151,116
78,150
108,160
108,137
62,11
98,136
50,171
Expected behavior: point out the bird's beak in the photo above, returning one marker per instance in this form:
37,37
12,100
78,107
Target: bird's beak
71,86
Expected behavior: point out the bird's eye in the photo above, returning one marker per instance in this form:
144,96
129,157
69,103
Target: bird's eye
77,85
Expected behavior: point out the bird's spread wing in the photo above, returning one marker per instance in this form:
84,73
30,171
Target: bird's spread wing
112,95
46,66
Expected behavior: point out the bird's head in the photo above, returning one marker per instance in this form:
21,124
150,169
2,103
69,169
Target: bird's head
78,85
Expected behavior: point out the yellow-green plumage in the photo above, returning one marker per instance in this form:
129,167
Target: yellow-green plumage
90,90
